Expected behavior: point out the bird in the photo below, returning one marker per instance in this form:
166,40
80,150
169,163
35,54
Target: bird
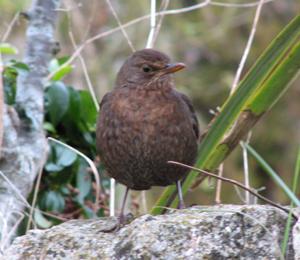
143,123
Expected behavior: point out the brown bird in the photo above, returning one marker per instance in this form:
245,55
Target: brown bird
143,123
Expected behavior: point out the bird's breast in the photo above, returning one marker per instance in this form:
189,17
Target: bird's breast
138,134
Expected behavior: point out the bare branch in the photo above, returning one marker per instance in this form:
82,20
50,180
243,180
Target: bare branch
252,191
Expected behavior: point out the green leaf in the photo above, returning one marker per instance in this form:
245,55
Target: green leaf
88,110
63,60
59,158
83,179
62,72
53,65
276,85
52,200
20,67
49,127
40,220
273,174
74,110
64,189
8,48
9,82
64,155
53,167
58,101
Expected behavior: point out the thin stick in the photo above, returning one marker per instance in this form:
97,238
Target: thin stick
252,191
36,189
112,182
9,28
246,167
144,202
93,167
239,194
86,74
112,199
248,46
152,24
16,190
160,21
90,21
1,103
121,26
96,37
219,184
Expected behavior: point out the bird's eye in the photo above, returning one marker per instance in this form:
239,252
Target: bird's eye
146,68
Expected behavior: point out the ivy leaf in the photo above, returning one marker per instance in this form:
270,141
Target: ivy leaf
58,97
64,155
74,110
59,158
62,72
8,48
83,179
20,67
52,200
88,109
40,219
49,127
55,64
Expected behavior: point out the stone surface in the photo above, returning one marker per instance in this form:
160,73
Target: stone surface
296,240
208,232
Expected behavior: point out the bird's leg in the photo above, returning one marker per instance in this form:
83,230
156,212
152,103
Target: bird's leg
181,204
121,220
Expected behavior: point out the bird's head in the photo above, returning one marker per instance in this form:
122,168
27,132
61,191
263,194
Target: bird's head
149,69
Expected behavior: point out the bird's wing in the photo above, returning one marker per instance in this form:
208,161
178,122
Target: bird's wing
195,123
104,99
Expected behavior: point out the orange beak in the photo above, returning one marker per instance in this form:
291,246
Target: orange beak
173,67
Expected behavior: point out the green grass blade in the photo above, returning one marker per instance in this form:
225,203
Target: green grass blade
272,174
277,83
247,88
288,223
234,105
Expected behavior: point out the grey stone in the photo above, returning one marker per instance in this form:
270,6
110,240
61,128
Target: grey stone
201,232
296,240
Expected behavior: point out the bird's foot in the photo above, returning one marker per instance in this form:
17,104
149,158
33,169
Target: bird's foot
121,222
181,205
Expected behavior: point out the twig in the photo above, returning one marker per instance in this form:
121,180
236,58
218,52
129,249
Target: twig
246,167
165,6
112,200
121,26
252,191
96,37
144,201
152,24
248,46
36,189
86,74
1,103
90,21
93,167
239,194
9,28
219,184
15,189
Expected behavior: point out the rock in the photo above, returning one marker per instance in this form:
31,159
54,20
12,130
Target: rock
201,232
296,240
